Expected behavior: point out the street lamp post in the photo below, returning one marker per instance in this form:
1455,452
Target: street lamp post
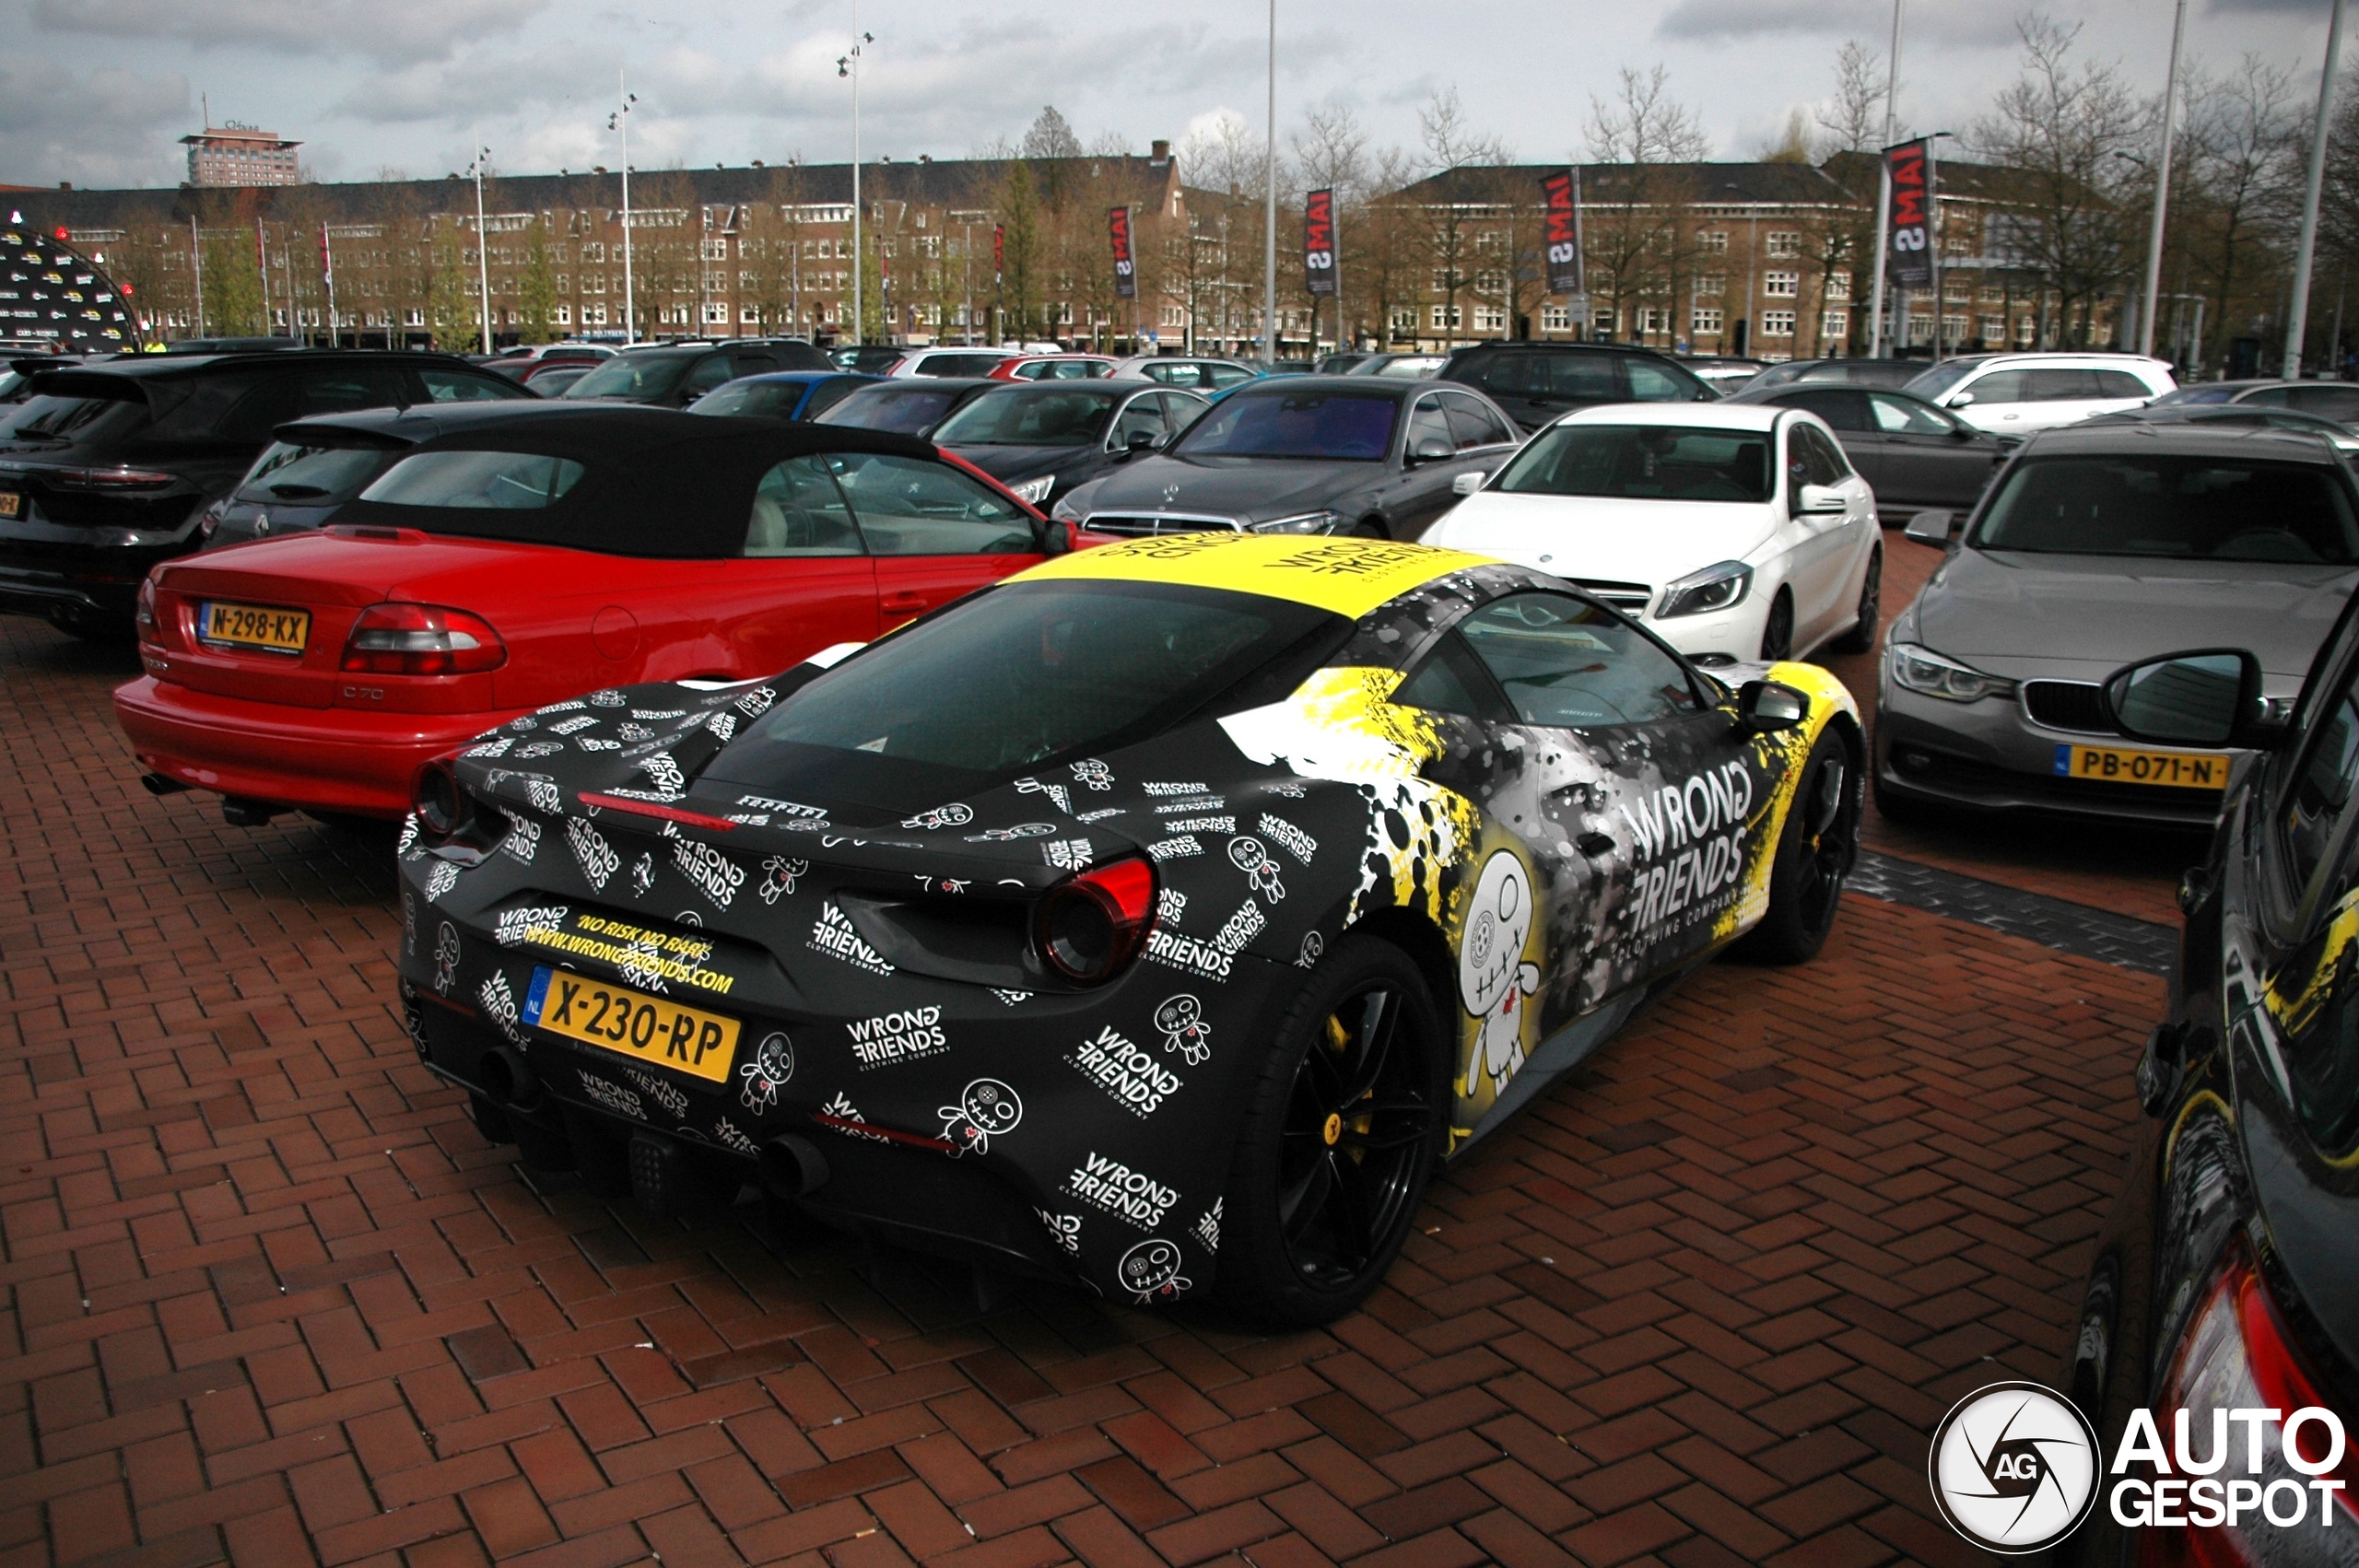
620,121
1884,187
2297,319
1270,214
483,244
2162,191
849,66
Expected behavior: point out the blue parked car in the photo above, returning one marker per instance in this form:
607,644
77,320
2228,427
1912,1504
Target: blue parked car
782,395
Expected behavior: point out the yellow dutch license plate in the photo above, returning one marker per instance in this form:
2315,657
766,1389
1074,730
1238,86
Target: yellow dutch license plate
629,1022
12,503
2113,764
255,626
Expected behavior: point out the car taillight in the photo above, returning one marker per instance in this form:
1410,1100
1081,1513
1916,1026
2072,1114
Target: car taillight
1093,924
421,639
145,616
109,478
2237,1355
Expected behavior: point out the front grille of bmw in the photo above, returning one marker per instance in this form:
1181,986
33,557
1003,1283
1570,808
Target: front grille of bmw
2070,705
1630,598
1138,525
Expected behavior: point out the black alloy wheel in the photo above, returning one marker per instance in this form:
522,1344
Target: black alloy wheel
1778,631
1861,638
1338,1143
1815,855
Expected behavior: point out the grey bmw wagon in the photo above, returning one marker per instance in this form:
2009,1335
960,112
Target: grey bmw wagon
2097,546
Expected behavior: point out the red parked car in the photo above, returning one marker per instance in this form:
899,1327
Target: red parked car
535,553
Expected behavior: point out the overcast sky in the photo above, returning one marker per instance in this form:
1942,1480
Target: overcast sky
99,91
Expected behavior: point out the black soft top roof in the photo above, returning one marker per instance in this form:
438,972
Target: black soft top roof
658,482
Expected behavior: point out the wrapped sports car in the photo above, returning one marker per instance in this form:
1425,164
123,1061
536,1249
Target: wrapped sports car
1172,906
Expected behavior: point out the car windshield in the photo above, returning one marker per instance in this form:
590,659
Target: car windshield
1649,462
1349,427
2214,393
909,410
774,400
1064,416
289,471
498,481
1941,378
1023,675
641,378
959,364
2178,508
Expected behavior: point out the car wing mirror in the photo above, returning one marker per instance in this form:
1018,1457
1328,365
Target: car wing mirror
1468,483
1140,441
1931,527
2204,697
1816,501
1959,400
1430,448
1764,707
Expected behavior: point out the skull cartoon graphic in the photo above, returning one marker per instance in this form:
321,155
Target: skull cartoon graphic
987,1109
1492,978
1152,1268
772,1066
1182,1019
1251,856
446,958
779,875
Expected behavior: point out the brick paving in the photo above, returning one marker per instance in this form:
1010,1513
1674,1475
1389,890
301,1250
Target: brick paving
269,1299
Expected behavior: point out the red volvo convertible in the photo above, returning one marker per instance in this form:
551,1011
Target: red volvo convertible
520,556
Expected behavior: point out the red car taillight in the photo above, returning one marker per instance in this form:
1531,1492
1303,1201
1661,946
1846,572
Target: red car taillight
151,630
1089,927
421,639
2236,1355
116,479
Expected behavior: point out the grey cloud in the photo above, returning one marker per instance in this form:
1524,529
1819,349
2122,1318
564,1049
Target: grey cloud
412,29
102,128
1729,21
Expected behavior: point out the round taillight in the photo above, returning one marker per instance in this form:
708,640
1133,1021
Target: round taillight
1089,927
440,804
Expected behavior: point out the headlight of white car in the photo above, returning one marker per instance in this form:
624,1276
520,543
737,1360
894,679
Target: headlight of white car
1303,523
1032,492
1923,670
1719,587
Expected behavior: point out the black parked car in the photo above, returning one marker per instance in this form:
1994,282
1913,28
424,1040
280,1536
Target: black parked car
1307,454
914,406
2228,1276
676,375
1042,439
1540,383
1913,455
1853,372
105,469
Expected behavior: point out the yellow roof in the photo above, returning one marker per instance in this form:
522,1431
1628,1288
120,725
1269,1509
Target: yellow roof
1349,577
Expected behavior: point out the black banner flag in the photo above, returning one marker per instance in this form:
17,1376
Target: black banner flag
1318,241
1911,219
1126,276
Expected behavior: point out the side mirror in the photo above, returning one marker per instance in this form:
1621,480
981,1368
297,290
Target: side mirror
1140,441
1932,528
1765,707
1817,500
1430,448
1959,400
2207,698
1468,483
1056,538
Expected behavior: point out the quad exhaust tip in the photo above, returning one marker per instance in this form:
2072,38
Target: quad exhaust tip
508,1080
792,1167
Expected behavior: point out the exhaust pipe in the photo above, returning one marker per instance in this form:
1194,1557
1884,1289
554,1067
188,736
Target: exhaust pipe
792,1167
244,811
157,784
508,1080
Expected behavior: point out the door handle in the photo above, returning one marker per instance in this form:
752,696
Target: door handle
902,601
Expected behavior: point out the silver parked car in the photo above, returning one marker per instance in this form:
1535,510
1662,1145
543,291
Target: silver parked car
2095,547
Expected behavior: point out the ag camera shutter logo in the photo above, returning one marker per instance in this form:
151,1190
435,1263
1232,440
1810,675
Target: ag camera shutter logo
2014,1467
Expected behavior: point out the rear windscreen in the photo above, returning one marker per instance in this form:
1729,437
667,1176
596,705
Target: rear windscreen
1025,675
307,475
2173,508
475,480
50,418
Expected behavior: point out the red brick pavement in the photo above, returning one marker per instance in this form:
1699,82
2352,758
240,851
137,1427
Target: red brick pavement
269,1299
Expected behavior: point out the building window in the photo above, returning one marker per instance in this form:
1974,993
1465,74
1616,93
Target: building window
1604,318
1405,319
750,315
1490,281
1991,295
1783,242
594,251
715,250
1781,285
716,314
1702,320
593,314
1777,323
1555,318
1490,318
1992,328
414,317
1711,287
1839,284
1174,316
1953,329
1835,325
1712,241
1445,316
2026,327
1955,293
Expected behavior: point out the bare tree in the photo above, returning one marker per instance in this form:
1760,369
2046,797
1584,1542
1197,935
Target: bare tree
1050,137
1640,124
2056,129
2240,152
1852,118
1453,148
1641,243
1330,152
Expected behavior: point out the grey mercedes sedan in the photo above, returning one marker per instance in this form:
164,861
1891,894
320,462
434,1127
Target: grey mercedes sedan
2096,546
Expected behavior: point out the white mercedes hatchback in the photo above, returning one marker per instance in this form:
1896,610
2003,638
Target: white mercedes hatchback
1733,531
